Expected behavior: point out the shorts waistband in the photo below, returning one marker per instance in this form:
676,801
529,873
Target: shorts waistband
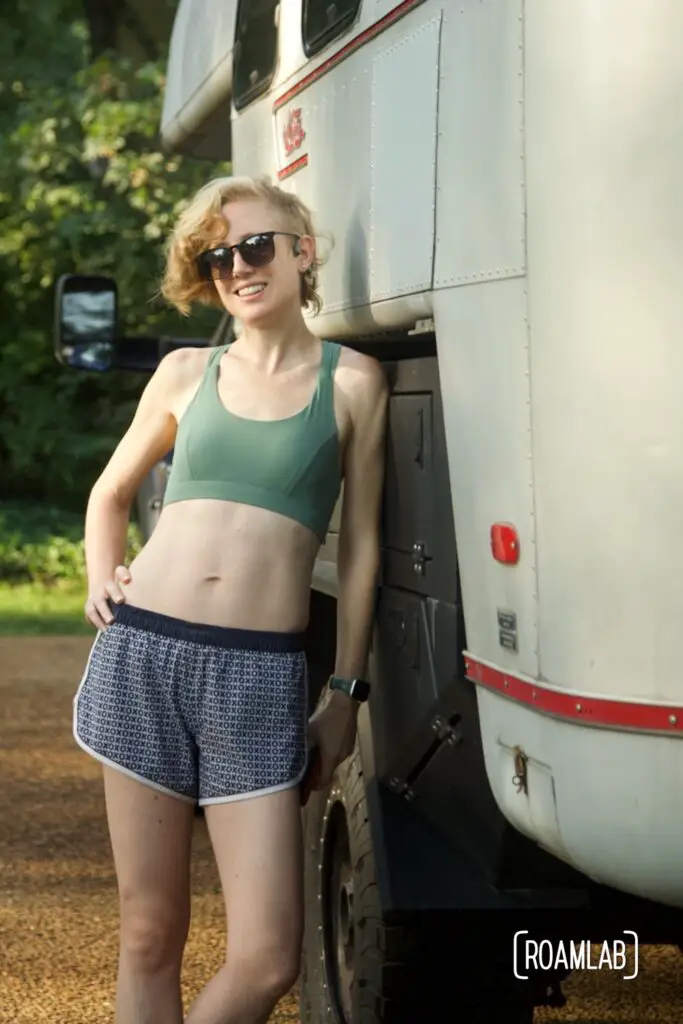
200,633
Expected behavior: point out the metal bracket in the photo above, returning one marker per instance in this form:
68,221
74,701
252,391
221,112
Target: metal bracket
401,787
446,732
426,326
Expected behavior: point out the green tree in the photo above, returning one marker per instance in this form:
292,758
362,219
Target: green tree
84,187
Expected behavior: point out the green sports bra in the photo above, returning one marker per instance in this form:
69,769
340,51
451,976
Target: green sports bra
291,466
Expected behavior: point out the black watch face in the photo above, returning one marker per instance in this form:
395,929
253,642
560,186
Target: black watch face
361,689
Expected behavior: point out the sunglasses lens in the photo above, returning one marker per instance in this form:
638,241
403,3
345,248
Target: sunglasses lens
258,250
215,264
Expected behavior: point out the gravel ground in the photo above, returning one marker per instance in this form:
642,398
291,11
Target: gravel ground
58,906
58,901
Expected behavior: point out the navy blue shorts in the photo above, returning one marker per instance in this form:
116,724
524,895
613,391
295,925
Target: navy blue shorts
205,713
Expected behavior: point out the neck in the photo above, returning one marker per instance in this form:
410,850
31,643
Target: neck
276,347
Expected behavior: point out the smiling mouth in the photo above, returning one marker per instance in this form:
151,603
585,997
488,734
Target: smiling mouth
250,289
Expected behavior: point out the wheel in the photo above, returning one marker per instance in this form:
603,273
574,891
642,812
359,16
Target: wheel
356,967
353,965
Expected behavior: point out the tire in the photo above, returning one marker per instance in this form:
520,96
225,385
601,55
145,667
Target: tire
356,967
353,962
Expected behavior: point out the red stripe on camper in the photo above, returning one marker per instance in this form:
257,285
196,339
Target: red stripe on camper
596,711
295,165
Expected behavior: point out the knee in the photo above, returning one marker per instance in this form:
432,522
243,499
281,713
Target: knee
153,934
272,969
280,972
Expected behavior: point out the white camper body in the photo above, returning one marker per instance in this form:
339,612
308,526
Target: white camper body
510,170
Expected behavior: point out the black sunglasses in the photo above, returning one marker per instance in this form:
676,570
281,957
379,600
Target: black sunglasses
256,251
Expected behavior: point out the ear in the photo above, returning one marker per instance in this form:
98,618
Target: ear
306,248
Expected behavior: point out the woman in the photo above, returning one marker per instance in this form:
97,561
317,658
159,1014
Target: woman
195,689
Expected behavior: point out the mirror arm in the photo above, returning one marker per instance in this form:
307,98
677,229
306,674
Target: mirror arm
143,353
169,344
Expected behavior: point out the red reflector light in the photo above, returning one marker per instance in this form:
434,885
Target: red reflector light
505,543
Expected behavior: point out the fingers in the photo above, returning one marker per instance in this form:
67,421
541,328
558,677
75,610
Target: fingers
325,773
97,607
329,762
121,576
121,572
98,613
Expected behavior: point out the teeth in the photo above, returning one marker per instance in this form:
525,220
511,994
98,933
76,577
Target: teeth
251,289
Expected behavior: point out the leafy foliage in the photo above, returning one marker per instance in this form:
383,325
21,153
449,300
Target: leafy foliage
84,187
44,544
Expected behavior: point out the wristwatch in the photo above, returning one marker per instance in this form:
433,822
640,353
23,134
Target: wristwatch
358,689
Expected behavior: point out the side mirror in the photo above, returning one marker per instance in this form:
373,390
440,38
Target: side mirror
86,321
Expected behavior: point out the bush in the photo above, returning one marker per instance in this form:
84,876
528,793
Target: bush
45,544
84,188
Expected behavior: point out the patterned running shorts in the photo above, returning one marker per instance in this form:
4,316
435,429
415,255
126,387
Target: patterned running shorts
205,713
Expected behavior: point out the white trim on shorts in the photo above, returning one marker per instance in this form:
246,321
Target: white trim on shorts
207,801
253,792
132,775
282,786
105,760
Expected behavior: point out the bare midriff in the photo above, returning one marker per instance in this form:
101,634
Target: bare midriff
225,564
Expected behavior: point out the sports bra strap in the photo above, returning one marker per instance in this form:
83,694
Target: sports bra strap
217,353
328,364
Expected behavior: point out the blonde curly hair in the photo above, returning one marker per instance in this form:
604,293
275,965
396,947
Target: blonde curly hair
202,224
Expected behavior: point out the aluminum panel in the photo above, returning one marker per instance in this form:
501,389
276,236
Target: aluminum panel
606,310
483,348
480,197
403,163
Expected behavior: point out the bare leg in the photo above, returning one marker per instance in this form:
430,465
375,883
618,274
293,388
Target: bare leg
151,836
258,847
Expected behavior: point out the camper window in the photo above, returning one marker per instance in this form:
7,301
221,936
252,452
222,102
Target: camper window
255,52
325,20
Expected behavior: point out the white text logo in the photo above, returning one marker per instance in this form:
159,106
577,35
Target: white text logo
546,955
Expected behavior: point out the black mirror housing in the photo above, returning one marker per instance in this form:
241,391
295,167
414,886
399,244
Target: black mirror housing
86,321
86,330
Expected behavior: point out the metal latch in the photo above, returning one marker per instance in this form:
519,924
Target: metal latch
419,559
519,779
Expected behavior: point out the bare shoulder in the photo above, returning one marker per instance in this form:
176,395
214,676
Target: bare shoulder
178,375
184,365
362,382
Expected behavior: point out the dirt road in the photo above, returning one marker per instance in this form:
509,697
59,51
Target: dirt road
58,906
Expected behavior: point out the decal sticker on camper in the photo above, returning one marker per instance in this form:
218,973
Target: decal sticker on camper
294,133
292,136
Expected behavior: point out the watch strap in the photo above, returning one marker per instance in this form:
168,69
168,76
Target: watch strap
358,689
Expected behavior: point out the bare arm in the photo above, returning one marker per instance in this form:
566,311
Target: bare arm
333,726
359,535
150,435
